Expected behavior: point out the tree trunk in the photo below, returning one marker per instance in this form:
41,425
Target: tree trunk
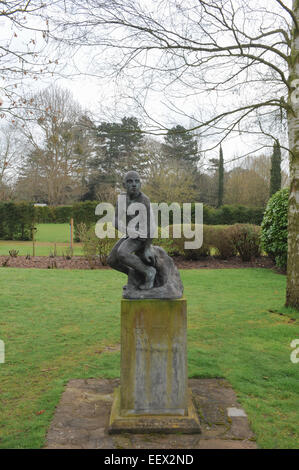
292,295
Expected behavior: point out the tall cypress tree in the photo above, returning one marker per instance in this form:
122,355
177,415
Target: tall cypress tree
220,179
275,177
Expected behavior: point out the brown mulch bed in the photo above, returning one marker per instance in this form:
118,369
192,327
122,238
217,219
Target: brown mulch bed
79,262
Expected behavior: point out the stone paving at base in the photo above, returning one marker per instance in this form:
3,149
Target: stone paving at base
82,416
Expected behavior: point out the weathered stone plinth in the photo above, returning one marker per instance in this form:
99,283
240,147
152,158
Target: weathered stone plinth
153,394
82,417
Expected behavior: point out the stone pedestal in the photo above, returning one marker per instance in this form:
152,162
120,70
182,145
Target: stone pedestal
153,395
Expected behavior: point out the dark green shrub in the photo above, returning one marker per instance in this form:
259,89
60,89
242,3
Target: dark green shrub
274,234
237,214
246,240
63,214
44,214
2,221
209,215
225,215
230,214
53,214
17,219
25,219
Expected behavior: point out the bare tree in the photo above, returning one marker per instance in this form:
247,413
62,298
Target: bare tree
58,147
238,59
11,152
249,183
24,51
169,182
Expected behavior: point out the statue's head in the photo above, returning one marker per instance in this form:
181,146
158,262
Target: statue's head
132,183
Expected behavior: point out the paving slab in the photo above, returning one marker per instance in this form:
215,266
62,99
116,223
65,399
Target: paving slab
236,412
82,417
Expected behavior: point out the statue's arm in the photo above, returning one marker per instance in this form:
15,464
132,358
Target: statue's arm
148,252
118,224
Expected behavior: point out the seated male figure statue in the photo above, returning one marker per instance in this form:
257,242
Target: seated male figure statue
134,251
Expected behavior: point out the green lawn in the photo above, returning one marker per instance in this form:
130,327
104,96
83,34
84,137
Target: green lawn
56,325
59,233
41,249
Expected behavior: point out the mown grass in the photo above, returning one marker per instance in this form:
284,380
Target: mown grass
56,325
41,248
59,233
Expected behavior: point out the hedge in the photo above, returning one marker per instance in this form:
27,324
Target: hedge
53,215
227,215
16,220
84,212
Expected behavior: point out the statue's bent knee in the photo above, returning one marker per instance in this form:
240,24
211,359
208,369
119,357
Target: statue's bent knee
111,260
122,256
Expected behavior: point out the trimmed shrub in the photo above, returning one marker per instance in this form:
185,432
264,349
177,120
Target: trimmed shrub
53,214
246,240
44,214
2,221
225,215
274,234
25,219
222,241
229,215
209,215
63,214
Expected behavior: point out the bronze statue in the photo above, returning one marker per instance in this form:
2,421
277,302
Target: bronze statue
151,272
134,253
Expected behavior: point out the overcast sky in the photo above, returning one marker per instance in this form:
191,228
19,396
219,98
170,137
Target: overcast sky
105,98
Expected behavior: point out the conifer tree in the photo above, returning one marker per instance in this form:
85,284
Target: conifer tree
275,178
220,179
181,146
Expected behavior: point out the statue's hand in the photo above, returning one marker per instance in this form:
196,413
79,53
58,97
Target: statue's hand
149,256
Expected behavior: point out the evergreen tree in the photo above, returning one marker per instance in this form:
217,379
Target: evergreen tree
119,147
220,179
275,176
211,187
181,146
